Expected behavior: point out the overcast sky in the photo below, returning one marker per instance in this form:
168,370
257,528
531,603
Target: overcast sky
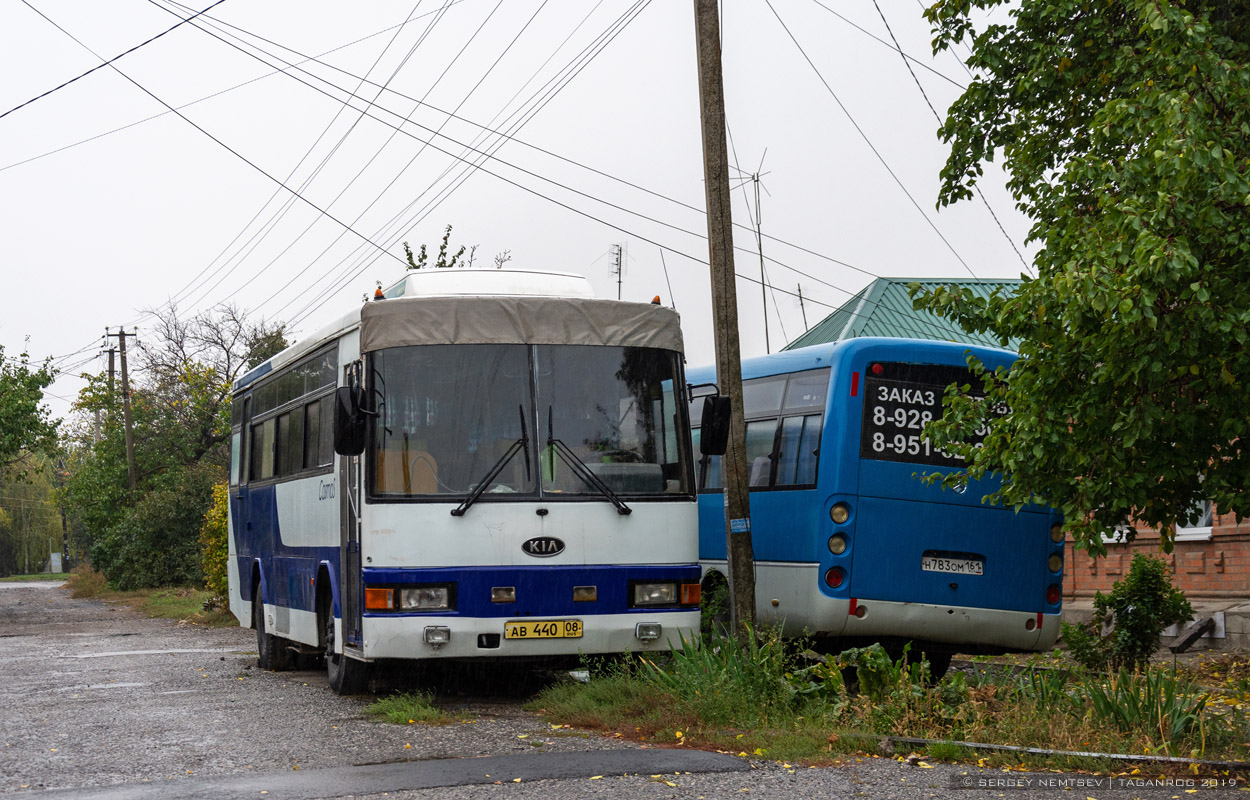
111,204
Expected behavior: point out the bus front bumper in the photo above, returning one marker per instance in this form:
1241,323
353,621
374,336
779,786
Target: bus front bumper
418,637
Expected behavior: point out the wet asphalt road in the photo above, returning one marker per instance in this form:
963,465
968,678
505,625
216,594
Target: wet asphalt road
97,702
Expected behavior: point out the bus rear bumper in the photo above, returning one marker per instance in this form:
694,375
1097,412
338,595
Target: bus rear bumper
406,637
955,625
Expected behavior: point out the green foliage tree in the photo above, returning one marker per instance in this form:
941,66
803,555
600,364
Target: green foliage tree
1124,126
1137,610
180,407
214,545
30,527
25,424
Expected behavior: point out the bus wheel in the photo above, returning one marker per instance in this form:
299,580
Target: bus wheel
939,664
347,675
271,651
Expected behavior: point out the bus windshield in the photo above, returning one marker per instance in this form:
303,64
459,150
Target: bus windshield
449,414
615,410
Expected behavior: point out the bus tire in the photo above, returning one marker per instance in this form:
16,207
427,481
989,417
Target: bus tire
271,651
346,674
939,664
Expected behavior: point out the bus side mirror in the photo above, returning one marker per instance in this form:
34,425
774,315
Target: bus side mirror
349,421
714,429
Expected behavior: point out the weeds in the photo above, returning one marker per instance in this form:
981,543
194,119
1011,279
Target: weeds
772,700
171,603
407,709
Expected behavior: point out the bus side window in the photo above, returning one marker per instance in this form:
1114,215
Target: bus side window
799,446
760,453
263,450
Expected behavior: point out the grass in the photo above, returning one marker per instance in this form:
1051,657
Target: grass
38,576
770,700
407,708
179,603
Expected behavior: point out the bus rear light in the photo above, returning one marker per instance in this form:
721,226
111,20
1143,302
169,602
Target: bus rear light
691,594
840,513
834,577
837,544
1055,562
379,599
1056,533
1052,594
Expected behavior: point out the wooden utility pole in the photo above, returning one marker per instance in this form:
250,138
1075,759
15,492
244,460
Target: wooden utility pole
741,555
130,438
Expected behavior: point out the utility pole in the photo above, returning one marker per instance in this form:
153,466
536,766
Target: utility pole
130,438
741,555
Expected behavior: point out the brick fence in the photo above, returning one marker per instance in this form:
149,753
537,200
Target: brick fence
1216,568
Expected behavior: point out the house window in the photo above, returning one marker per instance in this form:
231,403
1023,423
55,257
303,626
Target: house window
1198,527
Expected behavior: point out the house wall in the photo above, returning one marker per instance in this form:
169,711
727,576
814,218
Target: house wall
1214,569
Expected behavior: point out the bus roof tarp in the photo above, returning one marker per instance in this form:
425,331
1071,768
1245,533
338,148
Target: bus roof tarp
406,321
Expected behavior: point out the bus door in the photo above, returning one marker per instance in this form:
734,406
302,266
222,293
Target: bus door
350,590
242,450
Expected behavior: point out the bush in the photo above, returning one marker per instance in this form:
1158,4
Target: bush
214,548
156,543
1139,607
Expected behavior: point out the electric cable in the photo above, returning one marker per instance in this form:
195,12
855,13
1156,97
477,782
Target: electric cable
107,63
938,117
868,141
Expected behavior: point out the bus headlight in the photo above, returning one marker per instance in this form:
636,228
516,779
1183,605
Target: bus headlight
840,513
425,598
837,544
655,594
1056,533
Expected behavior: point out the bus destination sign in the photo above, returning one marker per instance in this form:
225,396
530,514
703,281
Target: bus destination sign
899,401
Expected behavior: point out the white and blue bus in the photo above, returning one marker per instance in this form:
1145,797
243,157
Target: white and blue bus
851,547
486,464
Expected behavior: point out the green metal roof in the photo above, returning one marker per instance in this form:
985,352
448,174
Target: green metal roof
883,308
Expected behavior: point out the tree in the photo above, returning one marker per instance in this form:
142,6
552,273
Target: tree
25,424
1124,126
441,262
185,368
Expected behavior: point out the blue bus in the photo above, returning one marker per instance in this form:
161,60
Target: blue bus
851,547
482,465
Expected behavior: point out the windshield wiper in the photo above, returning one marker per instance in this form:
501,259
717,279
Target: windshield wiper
522,443
582,471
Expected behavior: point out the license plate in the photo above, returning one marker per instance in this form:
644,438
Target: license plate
543,629
955,566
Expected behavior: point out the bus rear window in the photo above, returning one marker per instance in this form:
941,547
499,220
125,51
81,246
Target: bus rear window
899,401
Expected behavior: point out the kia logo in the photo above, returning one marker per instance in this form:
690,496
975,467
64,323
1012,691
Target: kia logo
543,546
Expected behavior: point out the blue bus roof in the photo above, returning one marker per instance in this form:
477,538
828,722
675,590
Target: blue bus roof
823,355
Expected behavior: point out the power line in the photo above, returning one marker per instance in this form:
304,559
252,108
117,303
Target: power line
269,226
938,117
108,63
868,141
895,47
229,149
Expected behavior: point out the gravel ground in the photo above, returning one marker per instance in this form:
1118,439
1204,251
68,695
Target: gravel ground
94,695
